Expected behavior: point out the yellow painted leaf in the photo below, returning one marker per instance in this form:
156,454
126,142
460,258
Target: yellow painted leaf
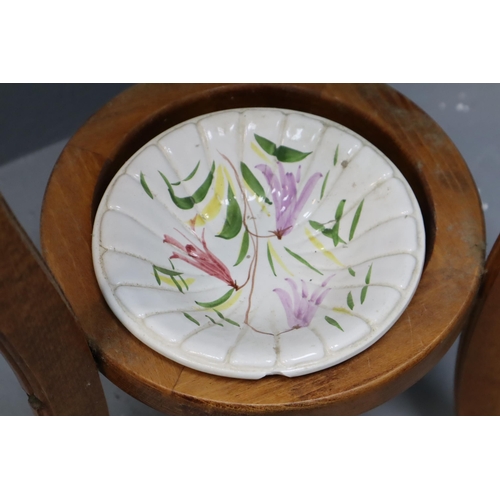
230,180
170,282
196,221
320,246
259,152
342,310
234,298
277,258
213,207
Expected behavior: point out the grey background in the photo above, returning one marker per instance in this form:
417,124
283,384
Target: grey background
37,120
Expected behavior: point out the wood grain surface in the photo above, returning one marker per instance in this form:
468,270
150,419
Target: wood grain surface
38,333
478,367
412,140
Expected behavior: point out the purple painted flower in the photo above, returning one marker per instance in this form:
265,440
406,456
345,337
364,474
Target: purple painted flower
288,205
300,308
202,259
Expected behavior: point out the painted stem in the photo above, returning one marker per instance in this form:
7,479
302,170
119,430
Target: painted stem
254,237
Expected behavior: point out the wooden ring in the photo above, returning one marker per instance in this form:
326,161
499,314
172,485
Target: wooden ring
412,140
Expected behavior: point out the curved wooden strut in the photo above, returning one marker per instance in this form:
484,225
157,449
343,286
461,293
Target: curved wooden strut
477,389
39,335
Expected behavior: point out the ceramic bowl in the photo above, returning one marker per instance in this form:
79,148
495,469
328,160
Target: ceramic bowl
257,241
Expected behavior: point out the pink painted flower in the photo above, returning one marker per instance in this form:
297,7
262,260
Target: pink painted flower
204,259
300,308
288,205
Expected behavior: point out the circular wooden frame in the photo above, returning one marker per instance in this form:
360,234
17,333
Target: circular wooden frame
412,140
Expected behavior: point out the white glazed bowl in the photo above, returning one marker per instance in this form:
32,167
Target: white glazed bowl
258,241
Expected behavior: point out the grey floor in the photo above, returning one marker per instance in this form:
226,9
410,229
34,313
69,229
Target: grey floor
36,122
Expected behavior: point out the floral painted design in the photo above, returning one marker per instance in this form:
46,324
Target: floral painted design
286,195
288,203
202,259
301,306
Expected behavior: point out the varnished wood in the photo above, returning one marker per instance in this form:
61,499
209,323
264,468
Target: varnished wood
478,365
412,140
38,332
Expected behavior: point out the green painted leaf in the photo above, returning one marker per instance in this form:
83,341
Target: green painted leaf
268,146
190,318
321,227
199,195
184,282
183,203
336,155
217,302
168,272
333,322
328,232
234,219
158,280
335,234
289,155
282,153
316,225
253,183
363,293
355,221
192,174
351,271
232,322
335,229
213,320
145,186
270,259
201,192
245,241
350,301
176,283
368,275
324,185
171,274
340,210
302,260
221,316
